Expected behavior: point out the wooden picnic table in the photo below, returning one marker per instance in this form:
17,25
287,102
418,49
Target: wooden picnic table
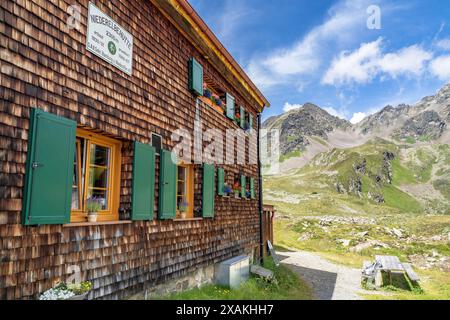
391,264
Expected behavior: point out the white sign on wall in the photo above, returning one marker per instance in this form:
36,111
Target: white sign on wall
108,40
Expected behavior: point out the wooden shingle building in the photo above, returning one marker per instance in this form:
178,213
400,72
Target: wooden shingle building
95,99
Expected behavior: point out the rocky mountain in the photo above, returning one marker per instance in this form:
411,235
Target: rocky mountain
298,126
311,127
425,121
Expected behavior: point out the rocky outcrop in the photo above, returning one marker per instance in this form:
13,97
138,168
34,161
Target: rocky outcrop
427,124
388,117
297,126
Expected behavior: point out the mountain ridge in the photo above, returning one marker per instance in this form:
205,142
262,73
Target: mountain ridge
309,130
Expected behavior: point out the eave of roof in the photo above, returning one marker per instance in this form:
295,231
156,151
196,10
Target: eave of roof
186,19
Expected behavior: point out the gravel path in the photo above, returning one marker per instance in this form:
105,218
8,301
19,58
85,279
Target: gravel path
329,281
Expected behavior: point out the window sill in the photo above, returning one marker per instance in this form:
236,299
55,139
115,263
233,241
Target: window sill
187,219
210,104
100,223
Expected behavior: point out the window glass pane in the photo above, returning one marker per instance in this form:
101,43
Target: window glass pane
156,142
181,189
98,183
75,199
181,173
101,196
76,179
99,155
98,177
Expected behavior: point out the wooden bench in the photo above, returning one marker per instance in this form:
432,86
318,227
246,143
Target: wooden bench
410,272
264,273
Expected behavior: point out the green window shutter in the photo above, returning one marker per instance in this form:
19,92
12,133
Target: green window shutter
250,121
143,182
242,112
49,169
220,181
208,191
230,101
252,188
195,77
243,185
167,186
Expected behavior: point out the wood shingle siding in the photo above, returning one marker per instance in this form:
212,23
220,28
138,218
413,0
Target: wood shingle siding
46,65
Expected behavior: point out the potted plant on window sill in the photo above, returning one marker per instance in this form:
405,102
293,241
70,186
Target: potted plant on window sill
183,206
67,291
93,207
236,190
227,190
207,93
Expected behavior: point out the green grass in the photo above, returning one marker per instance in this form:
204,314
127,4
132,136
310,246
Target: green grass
423,169
396,198
288,287
293,154
402,175
443,186
320,140
410,140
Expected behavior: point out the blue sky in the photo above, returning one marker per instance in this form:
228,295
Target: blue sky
323,52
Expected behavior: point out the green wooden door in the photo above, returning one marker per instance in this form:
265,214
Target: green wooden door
50,166
143,182
167,186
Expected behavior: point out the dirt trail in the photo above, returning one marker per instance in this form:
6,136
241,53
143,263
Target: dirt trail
328,281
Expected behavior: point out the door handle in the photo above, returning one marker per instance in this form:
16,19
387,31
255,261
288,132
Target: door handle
36,165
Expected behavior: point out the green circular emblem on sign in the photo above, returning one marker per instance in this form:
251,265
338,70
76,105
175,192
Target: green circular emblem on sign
112,47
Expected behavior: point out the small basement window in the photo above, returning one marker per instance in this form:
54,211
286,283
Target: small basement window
96,176
185,191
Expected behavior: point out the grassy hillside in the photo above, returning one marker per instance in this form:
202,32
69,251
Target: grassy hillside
379,198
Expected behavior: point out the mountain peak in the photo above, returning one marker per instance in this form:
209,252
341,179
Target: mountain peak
297,126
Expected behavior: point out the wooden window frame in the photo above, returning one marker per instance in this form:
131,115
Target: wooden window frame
189,190
79,173
112,213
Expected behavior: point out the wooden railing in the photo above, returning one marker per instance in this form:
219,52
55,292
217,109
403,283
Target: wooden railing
267,226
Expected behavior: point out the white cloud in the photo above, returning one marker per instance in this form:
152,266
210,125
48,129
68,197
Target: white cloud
410,60
368,61
289,107
341,113
305,56
440,67
444,44
359,66
357,117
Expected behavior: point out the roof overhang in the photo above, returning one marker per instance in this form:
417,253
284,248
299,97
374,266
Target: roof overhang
187,21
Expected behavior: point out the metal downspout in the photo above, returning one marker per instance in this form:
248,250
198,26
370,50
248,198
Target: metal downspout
260,200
